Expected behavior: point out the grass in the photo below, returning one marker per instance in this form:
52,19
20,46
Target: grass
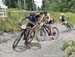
68,47
71,16
10,24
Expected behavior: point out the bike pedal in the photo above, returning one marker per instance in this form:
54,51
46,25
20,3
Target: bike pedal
52,37
26,42
49,34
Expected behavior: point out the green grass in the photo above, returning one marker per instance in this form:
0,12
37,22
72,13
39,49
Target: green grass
71,16
10,23
68,47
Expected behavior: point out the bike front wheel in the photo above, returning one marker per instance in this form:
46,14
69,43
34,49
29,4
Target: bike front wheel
17,40
40,35
72,26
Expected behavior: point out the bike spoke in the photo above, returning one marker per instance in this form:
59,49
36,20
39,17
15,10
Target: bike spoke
40,35
55,33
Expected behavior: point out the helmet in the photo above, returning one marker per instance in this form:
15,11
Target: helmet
32,14
45,12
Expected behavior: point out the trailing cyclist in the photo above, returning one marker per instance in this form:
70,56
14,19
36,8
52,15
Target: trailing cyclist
49,24
64,21
50,20
63,18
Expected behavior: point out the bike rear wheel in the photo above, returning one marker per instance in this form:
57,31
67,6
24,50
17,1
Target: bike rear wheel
55,33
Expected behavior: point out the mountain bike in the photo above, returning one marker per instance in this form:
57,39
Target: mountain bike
44,30
24,35
68,25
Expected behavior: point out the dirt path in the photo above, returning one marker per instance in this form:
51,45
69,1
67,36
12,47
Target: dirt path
38,49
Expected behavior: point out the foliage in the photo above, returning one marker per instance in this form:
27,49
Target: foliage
11,3
65,45
27,4
60,5
69,47
11,22
51,5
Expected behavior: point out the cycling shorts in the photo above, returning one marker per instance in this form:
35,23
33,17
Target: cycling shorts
31,25
51,22
62,20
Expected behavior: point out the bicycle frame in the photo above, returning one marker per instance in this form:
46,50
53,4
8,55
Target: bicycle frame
46,27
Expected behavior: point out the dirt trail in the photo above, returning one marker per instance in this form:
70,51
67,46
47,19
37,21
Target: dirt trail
38,49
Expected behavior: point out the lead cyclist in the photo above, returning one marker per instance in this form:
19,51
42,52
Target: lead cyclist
33,21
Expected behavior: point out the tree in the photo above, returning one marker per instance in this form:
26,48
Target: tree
60,5
11,3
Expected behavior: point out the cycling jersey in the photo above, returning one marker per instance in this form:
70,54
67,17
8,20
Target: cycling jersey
32,19
62,18
50,19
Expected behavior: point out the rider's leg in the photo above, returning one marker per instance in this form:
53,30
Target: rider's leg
63,21
30,25
51,27
52,22
31,30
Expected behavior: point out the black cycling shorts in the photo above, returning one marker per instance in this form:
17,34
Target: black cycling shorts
31,25
51,22
62,20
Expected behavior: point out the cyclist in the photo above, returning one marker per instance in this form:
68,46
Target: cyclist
33,20
63,18
50,22
50,19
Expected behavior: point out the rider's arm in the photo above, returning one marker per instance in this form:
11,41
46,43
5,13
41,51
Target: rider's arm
41,18
20,21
